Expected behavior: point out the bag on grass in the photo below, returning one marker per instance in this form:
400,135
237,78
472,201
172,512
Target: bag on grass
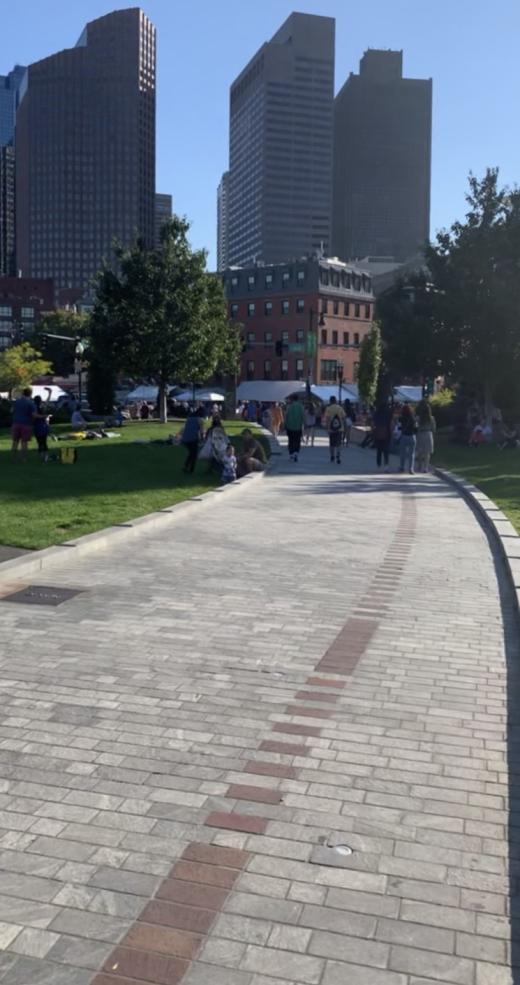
68,456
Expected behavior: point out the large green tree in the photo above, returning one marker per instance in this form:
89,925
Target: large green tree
414,343
475,269
20,366
161,316
369,365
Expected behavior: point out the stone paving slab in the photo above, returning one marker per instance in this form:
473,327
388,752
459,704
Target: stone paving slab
326,660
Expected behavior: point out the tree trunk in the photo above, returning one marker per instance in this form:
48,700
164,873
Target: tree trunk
163,405
488,401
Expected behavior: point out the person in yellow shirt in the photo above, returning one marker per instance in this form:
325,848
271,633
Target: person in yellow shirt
333,421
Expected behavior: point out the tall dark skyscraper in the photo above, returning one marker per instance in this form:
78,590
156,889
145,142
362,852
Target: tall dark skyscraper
11,89
382,161
85,151
280,149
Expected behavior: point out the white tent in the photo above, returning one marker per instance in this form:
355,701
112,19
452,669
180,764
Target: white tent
348,391
412,393
269,391
206,396
143,393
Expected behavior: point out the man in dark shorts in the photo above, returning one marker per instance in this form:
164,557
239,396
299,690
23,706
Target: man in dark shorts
24,410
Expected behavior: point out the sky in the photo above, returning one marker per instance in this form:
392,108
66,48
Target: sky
468,47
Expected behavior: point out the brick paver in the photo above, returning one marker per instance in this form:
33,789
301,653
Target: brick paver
319,662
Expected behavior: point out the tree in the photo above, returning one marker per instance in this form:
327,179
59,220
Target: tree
369,364
20,365
60,352
161,316
475,269
414,346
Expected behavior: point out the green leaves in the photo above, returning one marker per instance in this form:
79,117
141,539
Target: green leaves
20,366
369,364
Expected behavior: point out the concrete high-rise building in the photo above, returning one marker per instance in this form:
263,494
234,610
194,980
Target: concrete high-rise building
223,222
280,148
11,89
382,161
163,212
85,151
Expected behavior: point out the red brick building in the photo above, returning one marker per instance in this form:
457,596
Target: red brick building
301,320
23,301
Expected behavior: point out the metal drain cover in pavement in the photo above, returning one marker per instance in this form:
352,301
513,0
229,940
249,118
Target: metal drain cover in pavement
42,595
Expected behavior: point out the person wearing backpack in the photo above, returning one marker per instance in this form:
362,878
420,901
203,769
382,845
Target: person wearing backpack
334,422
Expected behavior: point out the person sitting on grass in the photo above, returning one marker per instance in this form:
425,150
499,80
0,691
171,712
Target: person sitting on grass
229,466
252,458
77,420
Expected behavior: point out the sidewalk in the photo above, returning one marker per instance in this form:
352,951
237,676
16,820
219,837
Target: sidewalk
321,661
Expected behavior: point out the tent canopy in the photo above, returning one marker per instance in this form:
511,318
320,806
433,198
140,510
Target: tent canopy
412,393
206,396
43,392
269,391
143,393
348,391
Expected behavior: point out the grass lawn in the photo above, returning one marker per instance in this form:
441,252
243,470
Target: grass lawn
113,481
496,472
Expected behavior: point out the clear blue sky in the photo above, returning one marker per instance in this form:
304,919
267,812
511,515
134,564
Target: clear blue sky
468,47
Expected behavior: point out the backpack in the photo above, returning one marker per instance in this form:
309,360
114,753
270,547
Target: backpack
335,424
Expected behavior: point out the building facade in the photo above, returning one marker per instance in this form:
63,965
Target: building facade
382,161
223,222
85,151
301,320
163,212
11,90
23,302
280,146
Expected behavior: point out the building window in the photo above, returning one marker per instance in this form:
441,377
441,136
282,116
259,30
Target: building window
251,309
267,369
334,338
233,310
285,369
6,310
346,338
357,311
27,313
324,336
347,309
300,305
251,281
300,276
367,311
268,280
356,338
268,308
285,307
251,338
334,278
328,370
251,370
336,307
234,282
268,337
286,276
299,334
324,307
299,369
285,338
324,276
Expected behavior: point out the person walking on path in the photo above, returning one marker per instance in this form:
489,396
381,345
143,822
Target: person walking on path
426,428
23,419
350,420
334,422
382,431
408,440
294,424
276,419
191,435
310,424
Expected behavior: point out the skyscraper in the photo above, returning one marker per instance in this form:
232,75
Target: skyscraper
85,151
223,222
280,148
163,212
382,160
11,88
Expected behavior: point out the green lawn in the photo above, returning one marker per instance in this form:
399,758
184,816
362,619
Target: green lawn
496,472
113,481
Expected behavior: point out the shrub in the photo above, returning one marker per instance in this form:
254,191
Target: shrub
443,407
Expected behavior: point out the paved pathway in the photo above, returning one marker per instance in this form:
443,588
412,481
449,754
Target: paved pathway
320,661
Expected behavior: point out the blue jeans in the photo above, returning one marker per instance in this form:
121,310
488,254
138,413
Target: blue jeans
407,451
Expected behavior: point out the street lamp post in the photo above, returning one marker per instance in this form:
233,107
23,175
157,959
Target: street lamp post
78,352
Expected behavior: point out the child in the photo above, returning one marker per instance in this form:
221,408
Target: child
229,465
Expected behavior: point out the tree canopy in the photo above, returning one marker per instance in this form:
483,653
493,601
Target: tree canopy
58,351
20,366
369,365
161,316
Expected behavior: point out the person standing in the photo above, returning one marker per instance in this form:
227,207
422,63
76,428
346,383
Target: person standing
310,424
24,410
382,431
276,419
350,420
408,439
426,428
294,424
334,422
41,428
191,436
